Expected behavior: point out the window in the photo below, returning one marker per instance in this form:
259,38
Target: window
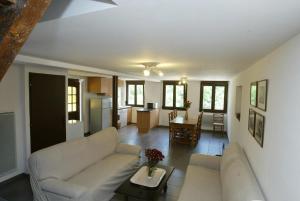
135,93
73,100
174,95
214,96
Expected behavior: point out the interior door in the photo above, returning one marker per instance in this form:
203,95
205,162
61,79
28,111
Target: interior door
47,110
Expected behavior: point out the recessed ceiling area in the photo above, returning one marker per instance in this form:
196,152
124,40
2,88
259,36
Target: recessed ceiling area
210,39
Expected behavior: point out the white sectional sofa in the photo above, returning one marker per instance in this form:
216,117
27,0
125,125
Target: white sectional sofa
226,178
86,169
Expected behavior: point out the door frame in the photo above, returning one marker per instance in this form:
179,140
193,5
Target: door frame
44,70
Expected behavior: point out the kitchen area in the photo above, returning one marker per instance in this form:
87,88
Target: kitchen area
99,99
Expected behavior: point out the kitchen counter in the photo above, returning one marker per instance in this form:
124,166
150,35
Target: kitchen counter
147,119
123,107
144,110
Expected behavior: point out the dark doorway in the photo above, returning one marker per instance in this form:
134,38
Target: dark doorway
47,110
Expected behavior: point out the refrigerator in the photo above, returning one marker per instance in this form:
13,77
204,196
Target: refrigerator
100,113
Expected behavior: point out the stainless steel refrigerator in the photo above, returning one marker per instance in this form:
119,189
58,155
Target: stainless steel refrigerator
100,113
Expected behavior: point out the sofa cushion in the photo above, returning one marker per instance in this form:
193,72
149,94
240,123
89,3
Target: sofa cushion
232,152
239,183
103,143
61,161
201,184
106,175
64,160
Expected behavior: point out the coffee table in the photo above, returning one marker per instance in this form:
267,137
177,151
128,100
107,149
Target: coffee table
130,190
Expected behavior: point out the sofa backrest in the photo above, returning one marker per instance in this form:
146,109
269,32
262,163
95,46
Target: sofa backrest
64,160
237,178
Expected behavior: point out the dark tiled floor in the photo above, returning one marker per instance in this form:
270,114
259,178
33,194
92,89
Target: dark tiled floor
177,155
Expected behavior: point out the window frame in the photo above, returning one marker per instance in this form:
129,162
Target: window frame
135,83
174,83
74,115
214,84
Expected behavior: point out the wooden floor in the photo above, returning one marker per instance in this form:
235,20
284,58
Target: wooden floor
177,155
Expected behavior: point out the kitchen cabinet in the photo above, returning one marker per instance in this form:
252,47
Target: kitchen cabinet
123,117
100,85
147,119
106,86
129,115
94,85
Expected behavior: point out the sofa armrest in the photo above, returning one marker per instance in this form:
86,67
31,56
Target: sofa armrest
62,188
211,162
128,149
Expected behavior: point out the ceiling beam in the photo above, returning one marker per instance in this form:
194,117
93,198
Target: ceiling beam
16,23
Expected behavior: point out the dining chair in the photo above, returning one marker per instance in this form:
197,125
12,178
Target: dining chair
175,113
180,135
171,117
199,124
218,122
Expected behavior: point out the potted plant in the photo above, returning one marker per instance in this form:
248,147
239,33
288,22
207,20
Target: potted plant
153,156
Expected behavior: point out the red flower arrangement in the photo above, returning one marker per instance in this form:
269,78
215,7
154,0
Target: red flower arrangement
154,156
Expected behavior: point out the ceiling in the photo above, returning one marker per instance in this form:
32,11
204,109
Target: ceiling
212,39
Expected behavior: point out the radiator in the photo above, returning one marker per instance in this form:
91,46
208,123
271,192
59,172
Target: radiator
8,161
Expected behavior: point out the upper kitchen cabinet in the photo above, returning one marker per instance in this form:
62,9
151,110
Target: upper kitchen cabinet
106,86
100,85
94,85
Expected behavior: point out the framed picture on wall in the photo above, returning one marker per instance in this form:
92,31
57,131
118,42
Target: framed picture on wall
262,90
259,129
253,94
251,122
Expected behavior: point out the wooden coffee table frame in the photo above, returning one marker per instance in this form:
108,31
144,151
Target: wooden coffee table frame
130,190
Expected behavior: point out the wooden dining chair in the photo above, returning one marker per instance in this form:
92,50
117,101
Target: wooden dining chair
171,117
199,124
175,113
218,123
180,135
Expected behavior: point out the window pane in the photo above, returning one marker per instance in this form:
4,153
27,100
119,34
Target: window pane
74,107
169,96
69,107
131,92
69,99
179,95
139,95
74,90
207,97
219,97
74,99
69,90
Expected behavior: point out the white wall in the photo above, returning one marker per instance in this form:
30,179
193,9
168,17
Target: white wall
276,164
12,100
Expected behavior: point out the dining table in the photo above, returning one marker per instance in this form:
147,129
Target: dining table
186,125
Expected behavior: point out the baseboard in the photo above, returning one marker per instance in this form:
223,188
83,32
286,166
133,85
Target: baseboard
163,126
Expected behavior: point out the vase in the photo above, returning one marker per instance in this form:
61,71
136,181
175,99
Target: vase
151,168
186,114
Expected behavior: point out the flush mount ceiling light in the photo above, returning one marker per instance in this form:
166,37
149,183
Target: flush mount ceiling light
152,66
183,80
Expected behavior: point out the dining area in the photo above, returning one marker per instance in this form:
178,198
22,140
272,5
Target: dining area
184,130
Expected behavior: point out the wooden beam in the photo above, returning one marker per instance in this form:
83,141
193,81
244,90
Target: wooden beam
16,23
115,102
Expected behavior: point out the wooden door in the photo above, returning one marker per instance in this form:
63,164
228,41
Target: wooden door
47,110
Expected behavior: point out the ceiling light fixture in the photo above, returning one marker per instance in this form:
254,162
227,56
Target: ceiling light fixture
183,80
146,72
152,66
